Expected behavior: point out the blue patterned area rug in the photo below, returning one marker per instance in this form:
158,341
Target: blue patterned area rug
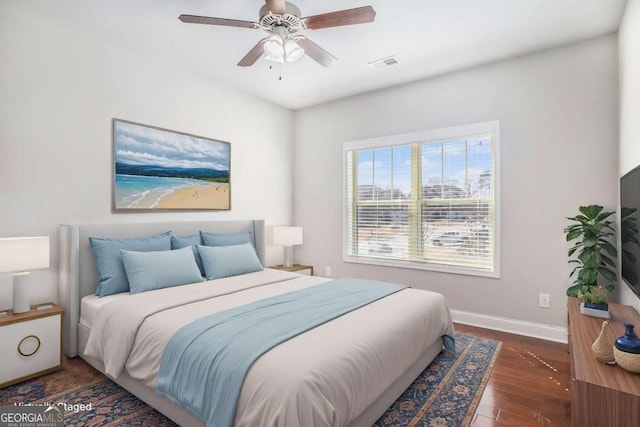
445,394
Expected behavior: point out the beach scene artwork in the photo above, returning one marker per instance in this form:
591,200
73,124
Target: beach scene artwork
162,169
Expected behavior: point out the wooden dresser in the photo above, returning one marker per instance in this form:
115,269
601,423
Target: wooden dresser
601,394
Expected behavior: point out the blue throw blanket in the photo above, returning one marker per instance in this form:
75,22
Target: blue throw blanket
205,362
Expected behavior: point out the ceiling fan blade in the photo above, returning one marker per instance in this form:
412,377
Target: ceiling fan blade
253,55
194,19
359,15
316,53
279,7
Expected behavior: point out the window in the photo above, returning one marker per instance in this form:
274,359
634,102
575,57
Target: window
427,200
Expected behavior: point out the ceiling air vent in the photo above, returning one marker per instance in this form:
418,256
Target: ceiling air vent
383,63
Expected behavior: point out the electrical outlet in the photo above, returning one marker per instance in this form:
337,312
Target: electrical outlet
327,272
543,300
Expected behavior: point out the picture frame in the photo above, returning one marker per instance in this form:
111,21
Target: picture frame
162,169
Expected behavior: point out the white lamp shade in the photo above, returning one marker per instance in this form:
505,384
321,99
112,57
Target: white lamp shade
24,253
293,50
287,236
278,59
273,47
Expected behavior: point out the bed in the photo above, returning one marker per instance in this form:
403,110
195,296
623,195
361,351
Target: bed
345,372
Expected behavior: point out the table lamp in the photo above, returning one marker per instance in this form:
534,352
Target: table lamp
287,237
18,255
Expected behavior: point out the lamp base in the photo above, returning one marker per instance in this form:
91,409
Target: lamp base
288,256
20,294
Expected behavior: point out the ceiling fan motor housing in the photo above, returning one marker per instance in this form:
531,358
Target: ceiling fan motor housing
290,20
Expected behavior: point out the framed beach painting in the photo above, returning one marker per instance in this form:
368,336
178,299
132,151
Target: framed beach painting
157,168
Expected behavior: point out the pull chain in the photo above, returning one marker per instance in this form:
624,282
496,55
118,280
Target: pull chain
279,71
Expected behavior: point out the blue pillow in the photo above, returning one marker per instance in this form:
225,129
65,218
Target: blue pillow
147,271
225,261
225,239
179,242
112,277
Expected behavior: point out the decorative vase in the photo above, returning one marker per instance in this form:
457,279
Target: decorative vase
602,349
627,350
629,342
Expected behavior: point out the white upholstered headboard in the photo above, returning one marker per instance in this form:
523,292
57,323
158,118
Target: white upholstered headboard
78,275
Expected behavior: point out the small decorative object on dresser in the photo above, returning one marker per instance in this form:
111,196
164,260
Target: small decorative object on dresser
30,344
305,270
627,350
594,303
602,348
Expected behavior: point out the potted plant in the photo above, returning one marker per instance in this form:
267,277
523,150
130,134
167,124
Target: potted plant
596,299
593,253
594,303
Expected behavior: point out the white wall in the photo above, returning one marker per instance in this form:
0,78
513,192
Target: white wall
58,94
558,113
629,51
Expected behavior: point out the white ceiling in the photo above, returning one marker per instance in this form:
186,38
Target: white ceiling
428,37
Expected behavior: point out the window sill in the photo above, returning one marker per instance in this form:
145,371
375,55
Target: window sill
440,268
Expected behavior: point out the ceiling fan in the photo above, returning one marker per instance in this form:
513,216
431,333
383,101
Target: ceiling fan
282,20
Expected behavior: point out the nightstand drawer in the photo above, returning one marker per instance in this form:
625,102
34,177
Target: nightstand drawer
46,328
15,365
29,347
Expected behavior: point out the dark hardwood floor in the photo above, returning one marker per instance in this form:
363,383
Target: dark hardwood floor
529,385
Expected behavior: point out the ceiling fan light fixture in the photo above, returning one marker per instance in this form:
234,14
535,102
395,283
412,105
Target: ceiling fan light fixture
274,49
292,50
277,59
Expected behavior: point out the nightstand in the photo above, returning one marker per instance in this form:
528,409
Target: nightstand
305,270
30,344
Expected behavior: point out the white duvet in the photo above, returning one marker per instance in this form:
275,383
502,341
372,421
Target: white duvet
325,377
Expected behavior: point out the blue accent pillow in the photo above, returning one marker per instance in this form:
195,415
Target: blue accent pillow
225,261
112,277
225,239
179,242
148,271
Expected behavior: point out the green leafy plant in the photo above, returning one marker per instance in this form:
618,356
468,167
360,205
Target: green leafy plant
597,296
594,254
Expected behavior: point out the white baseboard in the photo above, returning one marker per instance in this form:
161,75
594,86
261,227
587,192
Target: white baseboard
513,326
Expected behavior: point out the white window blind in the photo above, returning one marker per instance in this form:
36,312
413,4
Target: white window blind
425,200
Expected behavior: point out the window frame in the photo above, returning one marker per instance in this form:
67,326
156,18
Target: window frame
434,135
